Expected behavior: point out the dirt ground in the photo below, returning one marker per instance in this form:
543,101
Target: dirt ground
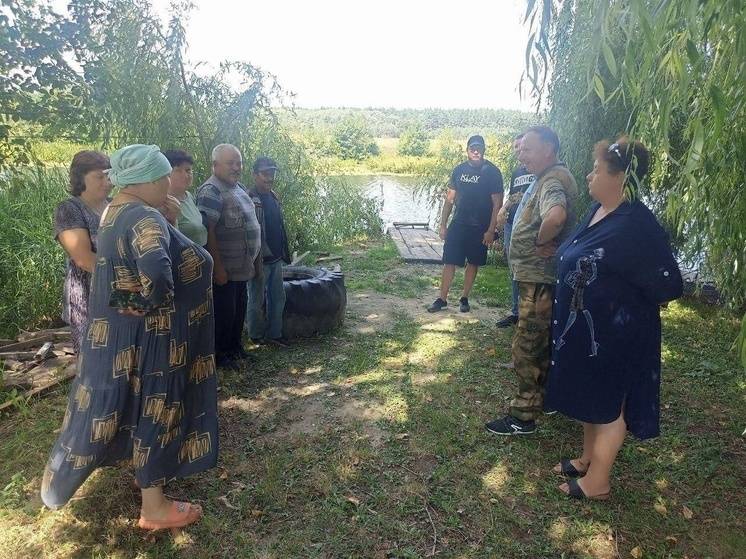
311,407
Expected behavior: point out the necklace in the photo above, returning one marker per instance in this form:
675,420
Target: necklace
143,200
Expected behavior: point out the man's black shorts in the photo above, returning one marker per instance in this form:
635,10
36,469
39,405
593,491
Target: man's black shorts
464,243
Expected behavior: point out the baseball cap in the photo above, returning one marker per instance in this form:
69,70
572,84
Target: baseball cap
475,140
264,164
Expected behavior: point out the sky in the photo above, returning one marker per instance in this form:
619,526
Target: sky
387,53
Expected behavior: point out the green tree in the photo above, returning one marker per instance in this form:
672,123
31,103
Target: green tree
128,80
353,139
413,141
672,72
36,81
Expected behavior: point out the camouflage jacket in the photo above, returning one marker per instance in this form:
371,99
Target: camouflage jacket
554,187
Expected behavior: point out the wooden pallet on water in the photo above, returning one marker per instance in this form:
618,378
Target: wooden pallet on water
416,242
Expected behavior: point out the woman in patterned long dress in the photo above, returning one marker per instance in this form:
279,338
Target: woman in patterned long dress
615,270
75,226
146,389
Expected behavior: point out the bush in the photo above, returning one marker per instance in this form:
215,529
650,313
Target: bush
32,264
59,152
353,140
318,214
413,141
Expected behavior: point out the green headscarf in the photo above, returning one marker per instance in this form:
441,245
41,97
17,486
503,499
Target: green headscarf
137,164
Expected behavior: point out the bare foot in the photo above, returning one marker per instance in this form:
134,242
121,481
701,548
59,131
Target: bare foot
177,515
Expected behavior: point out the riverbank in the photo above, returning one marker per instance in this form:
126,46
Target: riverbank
368,442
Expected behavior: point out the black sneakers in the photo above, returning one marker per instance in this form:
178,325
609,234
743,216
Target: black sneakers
438,305
241,353
225,361
509,425
507,321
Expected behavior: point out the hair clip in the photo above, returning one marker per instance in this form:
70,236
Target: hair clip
614,148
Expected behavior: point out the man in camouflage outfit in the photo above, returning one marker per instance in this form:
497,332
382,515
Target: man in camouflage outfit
544,219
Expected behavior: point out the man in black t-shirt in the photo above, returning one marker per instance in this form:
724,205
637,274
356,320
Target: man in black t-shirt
519,182
476,189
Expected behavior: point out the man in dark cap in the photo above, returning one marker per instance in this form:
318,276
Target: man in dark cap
266,291
476,189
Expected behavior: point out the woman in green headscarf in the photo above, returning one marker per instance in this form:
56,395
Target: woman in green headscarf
146,388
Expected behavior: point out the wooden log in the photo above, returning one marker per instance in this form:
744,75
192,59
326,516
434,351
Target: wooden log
328,259
37,374
50,369
68,373
18,355
298,259
13,365
45,352
17,379
6,341
56,333
19,346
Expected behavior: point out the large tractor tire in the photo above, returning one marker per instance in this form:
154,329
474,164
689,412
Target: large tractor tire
316,300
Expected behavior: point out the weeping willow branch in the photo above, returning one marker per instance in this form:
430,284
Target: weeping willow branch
668,72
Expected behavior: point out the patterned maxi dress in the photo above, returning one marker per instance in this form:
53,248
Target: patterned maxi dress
146,389
74,214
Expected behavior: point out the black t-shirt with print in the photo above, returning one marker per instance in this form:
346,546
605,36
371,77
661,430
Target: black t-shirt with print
519,182
474,188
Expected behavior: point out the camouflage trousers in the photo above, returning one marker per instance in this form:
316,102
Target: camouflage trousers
531,352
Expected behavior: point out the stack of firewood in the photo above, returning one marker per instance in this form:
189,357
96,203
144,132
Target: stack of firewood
36,361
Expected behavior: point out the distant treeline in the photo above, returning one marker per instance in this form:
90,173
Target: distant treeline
390,123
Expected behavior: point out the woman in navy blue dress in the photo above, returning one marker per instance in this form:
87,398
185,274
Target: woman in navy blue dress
615,271
146,390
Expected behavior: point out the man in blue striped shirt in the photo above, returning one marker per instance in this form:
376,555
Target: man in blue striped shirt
234,240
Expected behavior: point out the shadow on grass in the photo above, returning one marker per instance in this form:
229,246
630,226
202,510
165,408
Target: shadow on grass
372,445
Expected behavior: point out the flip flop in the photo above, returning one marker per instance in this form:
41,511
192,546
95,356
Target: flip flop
576,492
180,515
567,469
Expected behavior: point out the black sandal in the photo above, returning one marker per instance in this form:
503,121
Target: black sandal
576,492
567,469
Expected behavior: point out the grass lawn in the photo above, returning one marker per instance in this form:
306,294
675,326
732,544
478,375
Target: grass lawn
369,442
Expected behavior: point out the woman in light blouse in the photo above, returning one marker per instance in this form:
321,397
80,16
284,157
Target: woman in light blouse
189,220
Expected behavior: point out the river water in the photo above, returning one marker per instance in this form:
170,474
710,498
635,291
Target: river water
400,201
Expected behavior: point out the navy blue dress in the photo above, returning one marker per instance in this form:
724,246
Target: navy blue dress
606,329
146,390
